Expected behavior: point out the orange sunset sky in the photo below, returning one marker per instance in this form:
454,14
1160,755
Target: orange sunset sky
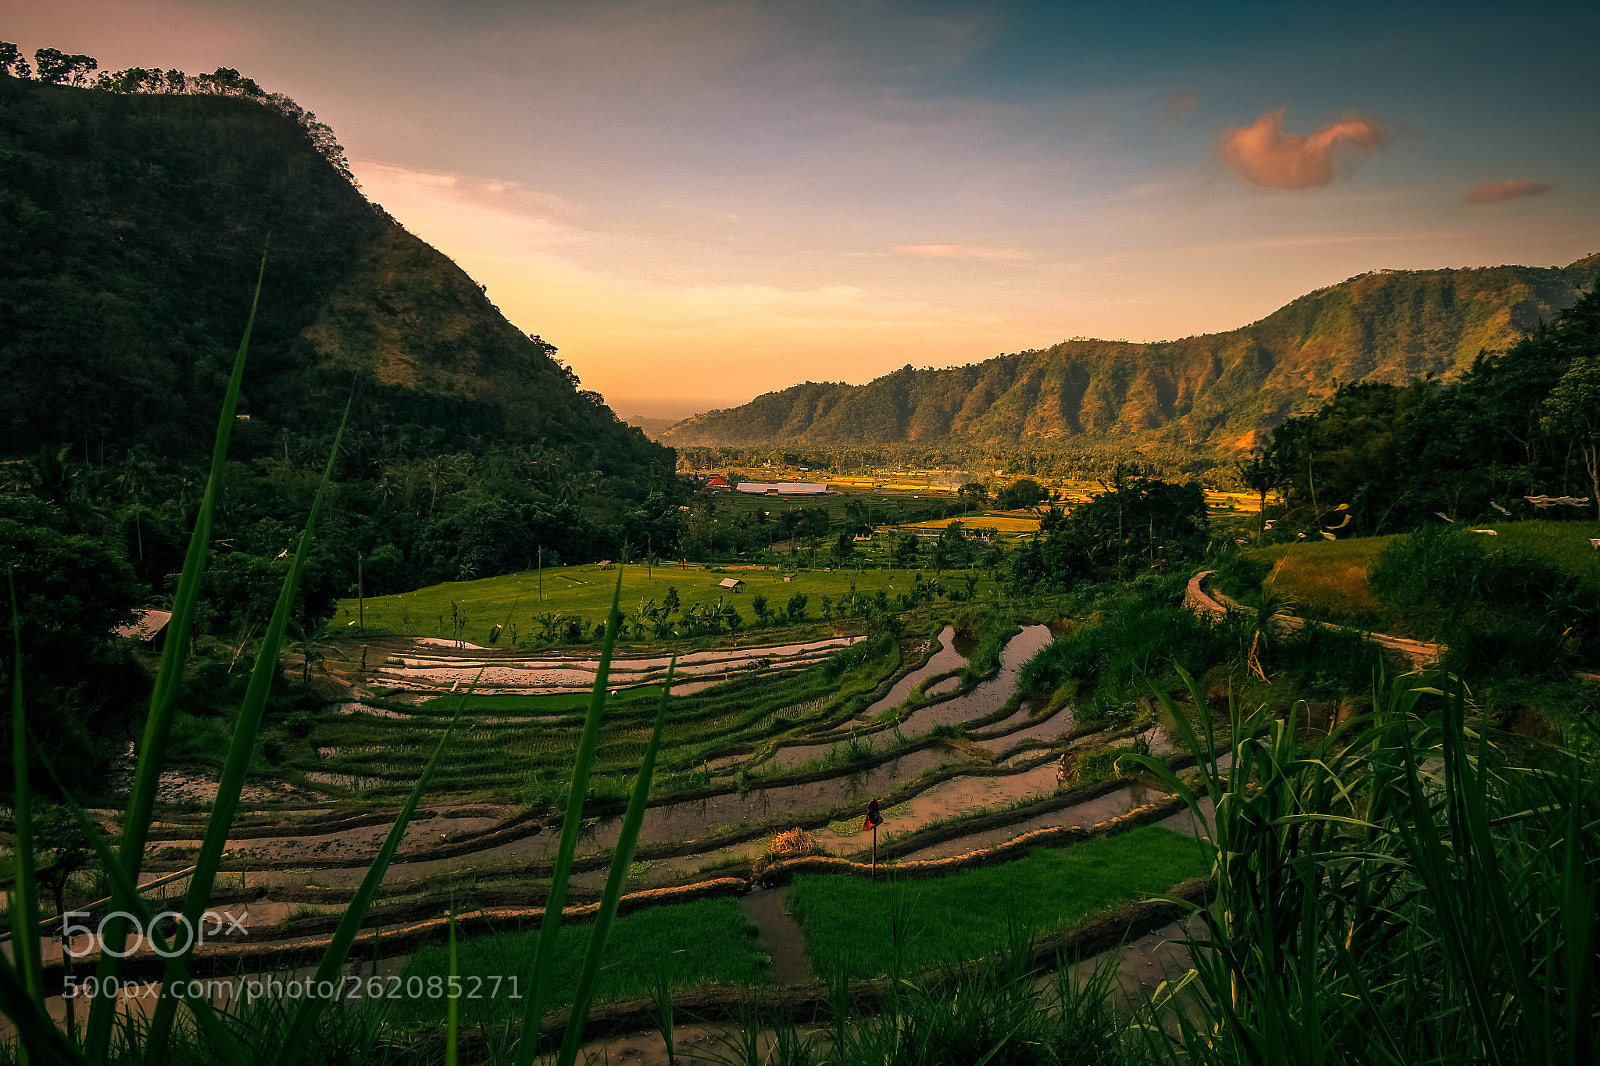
699,201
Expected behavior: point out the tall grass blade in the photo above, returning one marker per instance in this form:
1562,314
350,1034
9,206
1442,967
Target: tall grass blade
163,698
126,896
662,999
571,825
237,765
452,1019
41,1041
1481,870
356,911
24,902
1580,1037
621,861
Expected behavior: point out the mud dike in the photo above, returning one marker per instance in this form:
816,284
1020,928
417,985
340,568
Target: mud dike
424,667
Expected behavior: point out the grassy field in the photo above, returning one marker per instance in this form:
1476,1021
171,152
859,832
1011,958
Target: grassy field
1328,579
515,601
1001,521
849,923
708,941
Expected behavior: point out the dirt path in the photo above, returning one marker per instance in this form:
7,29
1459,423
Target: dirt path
1205,601
1419,652
781,937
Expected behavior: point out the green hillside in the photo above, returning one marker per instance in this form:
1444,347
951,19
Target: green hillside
1219,389
131,230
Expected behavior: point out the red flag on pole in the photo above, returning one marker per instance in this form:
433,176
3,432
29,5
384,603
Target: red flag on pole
874,816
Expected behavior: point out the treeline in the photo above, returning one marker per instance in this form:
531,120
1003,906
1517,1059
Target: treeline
1057,461
89,544
1517,424
51,66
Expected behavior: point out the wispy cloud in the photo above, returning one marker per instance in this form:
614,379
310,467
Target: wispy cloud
962,251
1492,192
1178,107
1262,154
529,206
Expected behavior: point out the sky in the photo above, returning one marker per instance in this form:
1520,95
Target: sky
699,201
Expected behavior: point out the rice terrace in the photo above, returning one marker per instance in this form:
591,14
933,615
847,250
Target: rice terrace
769,674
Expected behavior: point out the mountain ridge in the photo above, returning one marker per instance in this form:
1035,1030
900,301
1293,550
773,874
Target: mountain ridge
1217,390
132,227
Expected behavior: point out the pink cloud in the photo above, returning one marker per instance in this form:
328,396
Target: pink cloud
1492,192
1261,154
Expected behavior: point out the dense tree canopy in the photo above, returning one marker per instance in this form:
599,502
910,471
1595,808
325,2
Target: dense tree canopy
72,590
1137,523
1518,423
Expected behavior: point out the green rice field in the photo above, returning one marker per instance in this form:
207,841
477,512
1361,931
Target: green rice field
516,601
850,924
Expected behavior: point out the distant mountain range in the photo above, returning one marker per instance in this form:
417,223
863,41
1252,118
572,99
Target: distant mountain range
1218,390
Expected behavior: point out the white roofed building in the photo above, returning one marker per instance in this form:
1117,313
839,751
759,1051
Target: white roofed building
783,488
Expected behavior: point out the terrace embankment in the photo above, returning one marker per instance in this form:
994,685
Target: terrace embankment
988,775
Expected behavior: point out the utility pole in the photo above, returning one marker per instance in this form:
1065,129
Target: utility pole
541,573
361,597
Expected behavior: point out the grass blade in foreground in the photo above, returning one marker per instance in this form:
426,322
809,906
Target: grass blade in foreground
539,985
40,1040
452,1021
163,698
126,897
24,901
621,861
355,913
237,765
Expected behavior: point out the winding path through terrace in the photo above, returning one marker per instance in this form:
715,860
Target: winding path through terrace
1205,601
1418,652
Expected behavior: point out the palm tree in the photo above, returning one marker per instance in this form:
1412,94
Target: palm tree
314,643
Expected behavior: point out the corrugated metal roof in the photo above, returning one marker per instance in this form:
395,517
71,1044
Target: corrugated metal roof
784,488
146,626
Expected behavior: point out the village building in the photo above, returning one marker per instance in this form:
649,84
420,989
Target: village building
783,488
149,627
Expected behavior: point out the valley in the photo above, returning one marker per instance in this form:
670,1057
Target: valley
378,695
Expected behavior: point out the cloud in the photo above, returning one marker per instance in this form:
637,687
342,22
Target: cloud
1178,108
1262,155
961,251
1492,192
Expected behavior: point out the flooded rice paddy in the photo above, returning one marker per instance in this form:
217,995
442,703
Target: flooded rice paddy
999,754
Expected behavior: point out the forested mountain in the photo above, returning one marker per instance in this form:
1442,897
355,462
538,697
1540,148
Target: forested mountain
134,211
1220,390
132,225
